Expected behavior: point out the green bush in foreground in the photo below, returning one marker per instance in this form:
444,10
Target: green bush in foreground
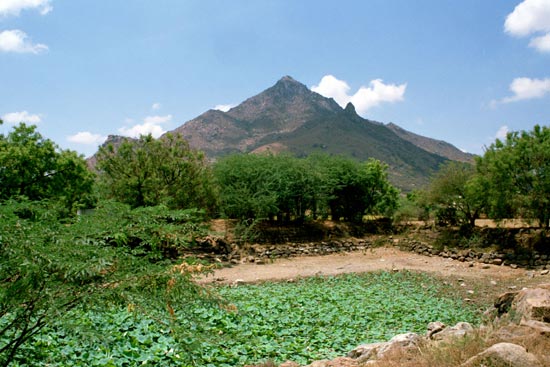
313,318
52,268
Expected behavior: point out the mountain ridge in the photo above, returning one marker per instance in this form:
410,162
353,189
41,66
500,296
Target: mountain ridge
288,116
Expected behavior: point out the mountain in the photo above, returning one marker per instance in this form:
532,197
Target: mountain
438,147
290,117
279,110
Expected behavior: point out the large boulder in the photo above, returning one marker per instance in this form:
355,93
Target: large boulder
533,304
525,305
374,351
503,355
438,331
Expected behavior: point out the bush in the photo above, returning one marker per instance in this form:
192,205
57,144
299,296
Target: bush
113,257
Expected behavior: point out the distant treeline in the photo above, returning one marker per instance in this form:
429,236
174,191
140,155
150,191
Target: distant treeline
512,179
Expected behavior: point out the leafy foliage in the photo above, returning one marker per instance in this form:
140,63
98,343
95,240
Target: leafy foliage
114,256
314,318
515,176
150,172
456,193
268,186
351,189
34,167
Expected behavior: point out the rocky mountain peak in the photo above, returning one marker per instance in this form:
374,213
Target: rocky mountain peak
350,108
287,86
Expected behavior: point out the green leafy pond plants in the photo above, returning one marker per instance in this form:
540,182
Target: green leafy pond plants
308,319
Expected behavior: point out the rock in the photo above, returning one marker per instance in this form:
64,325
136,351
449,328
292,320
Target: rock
541,328
374,351
503,354
533,304
513,266
366,352
486,266
496,261
289,364
338,362
504,302
434,327
460,330
544,272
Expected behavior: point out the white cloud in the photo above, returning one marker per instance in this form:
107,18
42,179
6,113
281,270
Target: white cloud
224,107
23,116
541,43
531,17
365,98
157,119
333,88
502,132
14,7
151,125
17,41
86,138
156,106
526,88
142,129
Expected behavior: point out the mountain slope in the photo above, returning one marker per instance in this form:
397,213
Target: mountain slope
290,117
279,109
438,147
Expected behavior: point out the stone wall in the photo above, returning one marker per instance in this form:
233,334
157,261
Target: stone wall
526,258
514,247
221,251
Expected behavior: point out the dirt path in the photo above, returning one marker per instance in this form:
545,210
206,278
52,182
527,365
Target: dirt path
367,261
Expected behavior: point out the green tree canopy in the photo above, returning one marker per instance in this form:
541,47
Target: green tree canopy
351,189
34,167
264,186
455,190
149,172
514,174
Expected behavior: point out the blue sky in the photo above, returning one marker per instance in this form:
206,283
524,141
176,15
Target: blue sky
461,71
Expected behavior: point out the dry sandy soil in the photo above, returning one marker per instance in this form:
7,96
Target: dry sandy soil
474,282
383,258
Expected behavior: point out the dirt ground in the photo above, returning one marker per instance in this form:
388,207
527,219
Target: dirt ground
474,282
383,258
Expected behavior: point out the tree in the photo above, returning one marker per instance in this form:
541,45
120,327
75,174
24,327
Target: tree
149,172
456,191
34,167
515,176
350,189
247,185
267,186
381,196
114,257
